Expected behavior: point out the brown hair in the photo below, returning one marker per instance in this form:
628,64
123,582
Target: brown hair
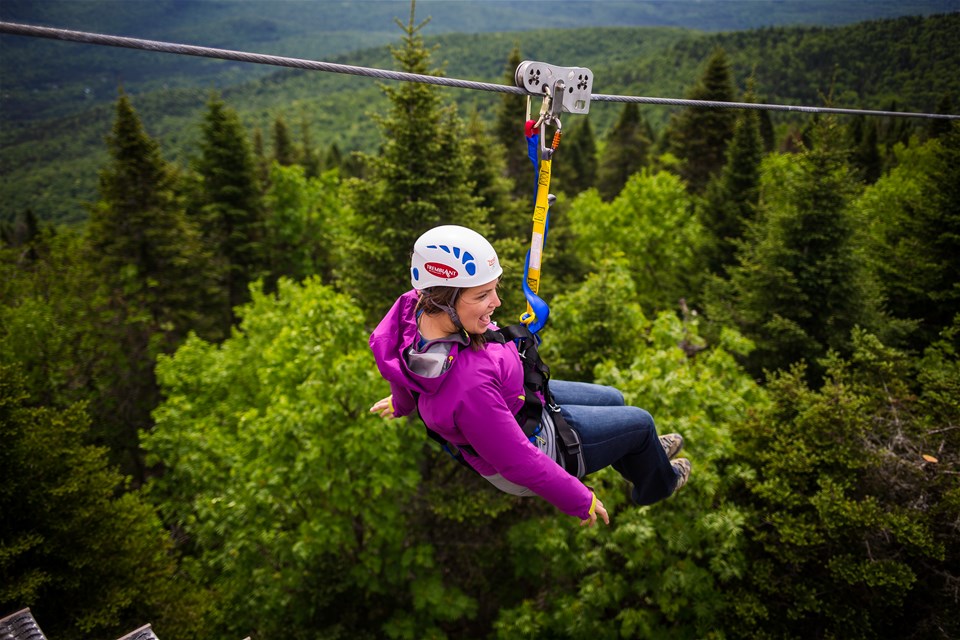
434,300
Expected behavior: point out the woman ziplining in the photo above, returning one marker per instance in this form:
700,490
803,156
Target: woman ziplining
485,394
440,351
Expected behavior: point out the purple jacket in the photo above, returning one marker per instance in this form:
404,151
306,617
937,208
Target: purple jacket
474,402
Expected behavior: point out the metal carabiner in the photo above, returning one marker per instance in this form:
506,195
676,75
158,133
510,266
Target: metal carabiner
545,107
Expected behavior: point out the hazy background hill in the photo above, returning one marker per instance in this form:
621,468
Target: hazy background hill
43,78
57,96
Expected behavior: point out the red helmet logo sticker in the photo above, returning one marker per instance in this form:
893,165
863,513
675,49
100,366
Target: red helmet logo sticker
441,270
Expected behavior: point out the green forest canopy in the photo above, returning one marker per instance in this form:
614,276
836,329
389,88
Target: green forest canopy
812,366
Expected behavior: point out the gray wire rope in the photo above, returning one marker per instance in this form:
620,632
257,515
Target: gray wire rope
313,65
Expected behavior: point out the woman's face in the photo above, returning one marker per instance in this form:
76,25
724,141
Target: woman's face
475,305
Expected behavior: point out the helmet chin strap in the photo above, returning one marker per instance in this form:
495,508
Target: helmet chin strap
454,317
451,313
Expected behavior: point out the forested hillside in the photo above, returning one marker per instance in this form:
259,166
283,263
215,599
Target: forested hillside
186,379
902,64
44,79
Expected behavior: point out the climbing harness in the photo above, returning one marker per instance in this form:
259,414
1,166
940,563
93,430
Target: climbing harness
562,89
536,377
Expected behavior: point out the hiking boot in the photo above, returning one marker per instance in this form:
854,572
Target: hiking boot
681,466
671,443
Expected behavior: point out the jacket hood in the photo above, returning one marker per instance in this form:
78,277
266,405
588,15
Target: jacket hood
395,334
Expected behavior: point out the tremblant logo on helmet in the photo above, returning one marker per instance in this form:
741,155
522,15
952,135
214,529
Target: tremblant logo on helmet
441,270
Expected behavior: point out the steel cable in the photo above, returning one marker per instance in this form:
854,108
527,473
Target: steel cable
314,65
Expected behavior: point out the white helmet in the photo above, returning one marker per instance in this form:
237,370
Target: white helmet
453,256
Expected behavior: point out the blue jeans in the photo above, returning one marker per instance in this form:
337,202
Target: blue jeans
616,435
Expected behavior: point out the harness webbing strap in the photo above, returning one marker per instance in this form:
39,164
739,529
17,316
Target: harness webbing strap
536,376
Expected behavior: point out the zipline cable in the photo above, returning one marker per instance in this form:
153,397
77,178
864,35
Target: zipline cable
314,65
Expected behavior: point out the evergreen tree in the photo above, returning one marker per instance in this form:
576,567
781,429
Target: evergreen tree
939,127
419,180
802,283
625,152
915,214
310,159
333,158
862,138
575,162
89,559
731,198
284,151
767,133
154,275
698,136
509,216
509,132
231,205
261,160
850,523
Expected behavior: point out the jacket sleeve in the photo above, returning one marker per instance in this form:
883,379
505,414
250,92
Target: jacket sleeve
491,429
403,402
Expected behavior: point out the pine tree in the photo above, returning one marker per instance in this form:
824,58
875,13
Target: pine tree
509,132
698,136
939,127
232,208
310,159
801,284
261,160
154,274
915,210
731,198
625,153
509,216
77,548
333,158
862,136
419,180
575,162
284,150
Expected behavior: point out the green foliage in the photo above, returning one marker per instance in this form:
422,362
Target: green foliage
854,532
45,319
508,128
653,226
284,152
802,283
575,163
625,151
88,557
231,210
730,200
418,181
300,515
45,165
305,223
915,233
658,571
151,270
296,499
698,136
598,321
487,169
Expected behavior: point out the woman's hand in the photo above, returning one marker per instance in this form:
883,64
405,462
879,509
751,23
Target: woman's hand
596,509
384,408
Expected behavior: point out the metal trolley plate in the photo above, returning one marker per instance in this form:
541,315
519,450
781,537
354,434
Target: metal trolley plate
576,83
